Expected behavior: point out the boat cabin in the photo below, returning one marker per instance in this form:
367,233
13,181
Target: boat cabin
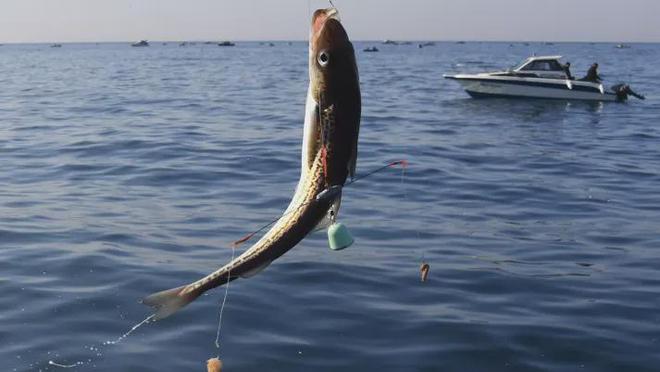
547,67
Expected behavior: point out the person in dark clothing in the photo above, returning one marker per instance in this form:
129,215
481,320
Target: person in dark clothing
567,71
592,74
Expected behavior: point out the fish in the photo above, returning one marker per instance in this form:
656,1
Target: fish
328,158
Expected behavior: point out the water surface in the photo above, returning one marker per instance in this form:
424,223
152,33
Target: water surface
126,171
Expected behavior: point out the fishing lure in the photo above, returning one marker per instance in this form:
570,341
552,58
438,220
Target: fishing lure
424,271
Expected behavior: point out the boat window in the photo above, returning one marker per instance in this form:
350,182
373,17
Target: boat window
536,66
554,66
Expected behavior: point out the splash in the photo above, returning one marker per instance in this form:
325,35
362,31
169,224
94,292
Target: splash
76,364
135,327
105,343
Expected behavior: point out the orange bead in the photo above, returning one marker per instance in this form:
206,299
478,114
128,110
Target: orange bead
214,365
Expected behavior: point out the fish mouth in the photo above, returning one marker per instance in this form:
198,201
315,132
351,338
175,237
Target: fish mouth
321,16
320,19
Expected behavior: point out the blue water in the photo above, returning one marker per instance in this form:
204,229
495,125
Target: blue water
125,171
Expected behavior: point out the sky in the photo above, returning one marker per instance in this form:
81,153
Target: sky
497,20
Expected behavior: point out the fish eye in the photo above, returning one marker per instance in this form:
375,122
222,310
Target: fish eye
323,58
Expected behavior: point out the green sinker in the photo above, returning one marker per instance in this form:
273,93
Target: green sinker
339,237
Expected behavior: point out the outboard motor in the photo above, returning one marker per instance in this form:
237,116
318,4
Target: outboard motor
623,90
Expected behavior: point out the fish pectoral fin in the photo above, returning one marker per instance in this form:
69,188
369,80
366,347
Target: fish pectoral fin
256,270
323,224
330,215
168,302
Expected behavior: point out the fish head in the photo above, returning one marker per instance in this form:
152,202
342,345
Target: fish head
335,88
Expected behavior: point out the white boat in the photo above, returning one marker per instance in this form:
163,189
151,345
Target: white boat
141,43
539,77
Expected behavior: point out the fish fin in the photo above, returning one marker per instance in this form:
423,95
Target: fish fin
330,216
323,224
168,302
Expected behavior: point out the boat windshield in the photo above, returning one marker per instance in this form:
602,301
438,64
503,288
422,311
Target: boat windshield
519,66
540,65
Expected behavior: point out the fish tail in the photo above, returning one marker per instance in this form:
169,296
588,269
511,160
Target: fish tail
168,302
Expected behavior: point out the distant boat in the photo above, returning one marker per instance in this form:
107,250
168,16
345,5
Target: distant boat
549,43
141,43
622,46
55,45
271,44
460,42
226,44
370,49
390,42
183,43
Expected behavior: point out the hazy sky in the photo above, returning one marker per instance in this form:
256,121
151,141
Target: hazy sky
121,20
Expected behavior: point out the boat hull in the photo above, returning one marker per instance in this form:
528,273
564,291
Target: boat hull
488,86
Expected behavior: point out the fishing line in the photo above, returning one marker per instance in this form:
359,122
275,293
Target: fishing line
424,267
402,163
309,11
224,300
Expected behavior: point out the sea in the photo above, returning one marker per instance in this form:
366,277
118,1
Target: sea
125,171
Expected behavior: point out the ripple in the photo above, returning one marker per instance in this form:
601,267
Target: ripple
127,172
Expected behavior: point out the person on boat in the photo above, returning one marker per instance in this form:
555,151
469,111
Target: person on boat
592,74
567,71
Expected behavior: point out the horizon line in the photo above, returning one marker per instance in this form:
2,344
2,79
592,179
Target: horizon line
306,40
